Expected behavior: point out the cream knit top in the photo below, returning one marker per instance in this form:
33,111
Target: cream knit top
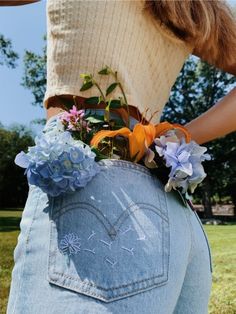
85,35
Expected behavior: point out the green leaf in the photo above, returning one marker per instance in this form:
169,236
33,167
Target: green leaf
94,119
86,86
86,76
111,88
99,155
115,103
99,99
92,100
104,71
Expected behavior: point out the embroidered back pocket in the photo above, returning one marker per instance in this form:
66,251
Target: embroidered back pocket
109,249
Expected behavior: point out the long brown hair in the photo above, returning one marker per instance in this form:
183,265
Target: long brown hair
209,26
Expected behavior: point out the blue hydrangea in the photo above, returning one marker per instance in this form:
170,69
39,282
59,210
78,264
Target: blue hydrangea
58,163
185,161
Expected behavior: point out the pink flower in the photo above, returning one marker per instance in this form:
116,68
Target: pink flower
74,113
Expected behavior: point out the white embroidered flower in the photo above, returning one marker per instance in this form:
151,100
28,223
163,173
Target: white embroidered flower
70,244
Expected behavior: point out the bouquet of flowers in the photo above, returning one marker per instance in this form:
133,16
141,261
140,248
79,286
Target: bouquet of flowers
68,159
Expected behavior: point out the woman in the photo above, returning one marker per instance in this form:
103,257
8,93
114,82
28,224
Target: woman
134,248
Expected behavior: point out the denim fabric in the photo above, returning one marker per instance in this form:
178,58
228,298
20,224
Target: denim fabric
118,245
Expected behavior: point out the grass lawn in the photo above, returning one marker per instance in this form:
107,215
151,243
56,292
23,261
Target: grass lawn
223,248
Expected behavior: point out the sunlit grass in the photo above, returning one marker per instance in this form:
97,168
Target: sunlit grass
222,240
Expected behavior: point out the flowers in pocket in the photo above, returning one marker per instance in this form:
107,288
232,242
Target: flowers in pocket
66,158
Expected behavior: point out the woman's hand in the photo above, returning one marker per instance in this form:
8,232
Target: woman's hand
216,122
16,2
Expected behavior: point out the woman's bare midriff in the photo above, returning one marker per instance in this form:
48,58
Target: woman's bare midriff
53,111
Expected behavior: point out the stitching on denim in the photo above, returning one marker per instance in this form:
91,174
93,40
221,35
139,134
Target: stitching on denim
91,235
128,250
112,263
133,208
108,289
25,251
112,230
163,197
86,206
129,229
165,268
92,251
190,227
114,298
106,163
70,244
134,282
106,243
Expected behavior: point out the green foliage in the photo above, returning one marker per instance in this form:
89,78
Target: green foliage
86,86
222,241
111,88
13,183
34,77
7,55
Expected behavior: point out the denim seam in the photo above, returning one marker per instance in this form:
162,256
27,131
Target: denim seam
138,290
70,206
164,197
191,232
114,288
25,253
124,164
209,252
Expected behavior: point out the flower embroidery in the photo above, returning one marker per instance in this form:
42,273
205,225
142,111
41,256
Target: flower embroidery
70,244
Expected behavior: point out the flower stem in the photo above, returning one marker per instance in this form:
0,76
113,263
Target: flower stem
123,93
98,87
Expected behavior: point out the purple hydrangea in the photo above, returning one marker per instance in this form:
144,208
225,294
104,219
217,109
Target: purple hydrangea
185,161
58,163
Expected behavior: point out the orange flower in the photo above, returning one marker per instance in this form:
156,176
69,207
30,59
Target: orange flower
140,138
100,135
163,127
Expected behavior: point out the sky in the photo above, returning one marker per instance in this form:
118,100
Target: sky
25,26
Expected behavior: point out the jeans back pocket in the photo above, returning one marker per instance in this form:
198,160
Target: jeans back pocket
101,251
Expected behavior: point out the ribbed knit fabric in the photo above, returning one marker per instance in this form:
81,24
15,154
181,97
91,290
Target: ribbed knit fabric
83,36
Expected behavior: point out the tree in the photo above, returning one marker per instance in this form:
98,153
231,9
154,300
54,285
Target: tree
13,183
34,77
7,55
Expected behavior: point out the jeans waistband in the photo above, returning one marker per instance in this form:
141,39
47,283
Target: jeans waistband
54,118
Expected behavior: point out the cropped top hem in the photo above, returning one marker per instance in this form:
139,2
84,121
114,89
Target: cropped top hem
84,36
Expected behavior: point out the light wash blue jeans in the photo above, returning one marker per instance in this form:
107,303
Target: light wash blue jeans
119,245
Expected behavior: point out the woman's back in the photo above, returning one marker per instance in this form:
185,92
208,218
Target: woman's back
83,36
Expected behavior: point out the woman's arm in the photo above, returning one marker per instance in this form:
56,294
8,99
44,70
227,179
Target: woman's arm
216,122
16,2
220,119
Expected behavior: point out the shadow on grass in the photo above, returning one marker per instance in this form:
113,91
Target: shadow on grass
8,224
